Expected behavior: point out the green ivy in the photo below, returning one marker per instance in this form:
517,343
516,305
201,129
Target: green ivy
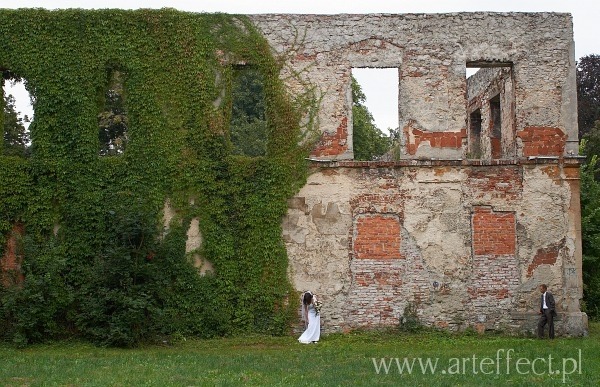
97,261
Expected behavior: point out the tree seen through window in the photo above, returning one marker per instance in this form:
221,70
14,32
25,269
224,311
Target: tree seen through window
248,126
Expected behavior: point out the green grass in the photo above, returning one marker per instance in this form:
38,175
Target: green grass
336,360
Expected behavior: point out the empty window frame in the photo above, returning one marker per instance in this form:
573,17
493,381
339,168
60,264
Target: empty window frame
490,89
374,112
17,113
112,119
248,127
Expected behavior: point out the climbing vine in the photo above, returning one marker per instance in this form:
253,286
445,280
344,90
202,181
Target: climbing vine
97,259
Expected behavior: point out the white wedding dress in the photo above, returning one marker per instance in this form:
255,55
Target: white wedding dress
313,331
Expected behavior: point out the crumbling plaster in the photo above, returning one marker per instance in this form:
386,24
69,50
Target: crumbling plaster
465,241
431,52
435,205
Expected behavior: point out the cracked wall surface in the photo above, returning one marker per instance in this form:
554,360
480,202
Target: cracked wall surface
431,53
465,237
467,244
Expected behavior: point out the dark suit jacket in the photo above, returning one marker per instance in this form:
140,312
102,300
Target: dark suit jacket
549,303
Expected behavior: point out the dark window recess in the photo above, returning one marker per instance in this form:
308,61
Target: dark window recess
495,114
248,126
495,127
475,134
112,120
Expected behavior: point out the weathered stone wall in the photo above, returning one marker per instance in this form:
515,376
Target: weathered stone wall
466,243
466,240
431,52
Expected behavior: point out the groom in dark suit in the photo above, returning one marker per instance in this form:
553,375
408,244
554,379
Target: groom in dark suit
547,312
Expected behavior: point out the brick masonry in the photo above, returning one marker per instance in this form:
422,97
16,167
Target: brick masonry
377,237
478,210
543,141
333,144
382,285
415,137
495,276
504,183
466,244
493,232
545,256
10,264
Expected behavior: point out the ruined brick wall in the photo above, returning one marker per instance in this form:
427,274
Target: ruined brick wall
467,243
431,52
465,238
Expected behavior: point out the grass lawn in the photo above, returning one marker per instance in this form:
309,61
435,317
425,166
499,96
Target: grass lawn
351,359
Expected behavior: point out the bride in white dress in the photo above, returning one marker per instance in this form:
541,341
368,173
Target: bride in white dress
311,315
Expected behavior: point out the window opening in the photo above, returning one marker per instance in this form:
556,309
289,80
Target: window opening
112,120
495,116
475,134
490,91
248,126
471,70
495,127
374,112
17,105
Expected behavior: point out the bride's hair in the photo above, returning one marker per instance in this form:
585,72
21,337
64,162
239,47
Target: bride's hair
307,298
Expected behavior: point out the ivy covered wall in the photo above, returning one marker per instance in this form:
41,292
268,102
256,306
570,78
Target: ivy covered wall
96,259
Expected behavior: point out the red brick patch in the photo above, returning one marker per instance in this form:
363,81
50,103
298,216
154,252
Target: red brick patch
545,256
10,264
494,233
333,144
414,137
377,237
542,141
